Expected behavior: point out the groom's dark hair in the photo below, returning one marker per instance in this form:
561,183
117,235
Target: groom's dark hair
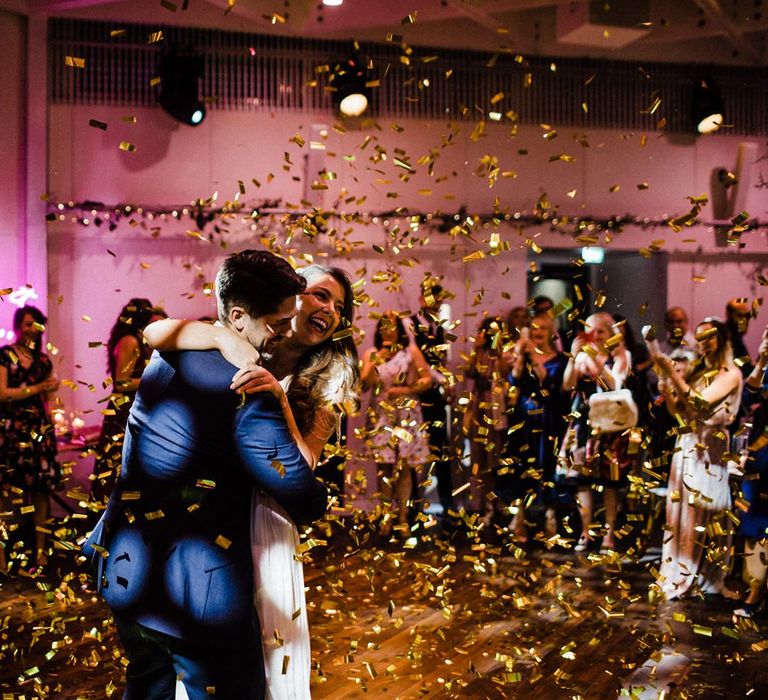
257,280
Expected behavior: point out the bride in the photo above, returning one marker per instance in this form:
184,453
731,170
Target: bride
314,375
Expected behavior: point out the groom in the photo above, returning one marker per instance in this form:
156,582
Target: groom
174,542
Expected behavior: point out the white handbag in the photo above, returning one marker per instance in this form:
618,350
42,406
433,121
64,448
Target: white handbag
612,411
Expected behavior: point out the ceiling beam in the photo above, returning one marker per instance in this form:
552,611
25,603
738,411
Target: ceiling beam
500,29
714,13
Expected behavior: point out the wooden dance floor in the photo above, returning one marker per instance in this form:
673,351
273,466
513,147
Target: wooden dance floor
456,619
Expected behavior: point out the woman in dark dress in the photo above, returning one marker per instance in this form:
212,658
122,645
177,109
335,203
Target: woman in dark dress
127,356
754,522
27,437
539,411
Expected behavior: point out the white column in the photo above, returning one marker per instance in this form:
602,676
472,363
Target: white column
35,251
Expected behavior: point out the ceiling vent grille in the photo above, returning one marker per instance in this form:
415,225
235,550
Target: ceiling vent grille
257,72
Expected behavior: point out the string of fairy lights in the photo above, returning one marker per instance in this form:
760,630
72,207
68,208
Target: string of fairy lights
208,221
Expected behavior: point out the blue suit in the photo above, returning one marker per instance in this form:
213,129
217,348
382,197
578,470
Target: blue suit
176,529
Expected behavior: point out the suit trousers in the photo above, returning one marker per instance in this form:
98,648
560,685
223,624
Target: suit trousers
156,660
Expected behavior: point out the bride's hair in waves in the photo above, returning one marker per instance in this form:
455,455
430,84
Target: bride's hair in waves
328,374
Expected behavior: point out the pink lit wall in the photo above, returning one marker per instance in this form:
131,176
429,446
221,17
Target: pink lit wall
12,144
93,271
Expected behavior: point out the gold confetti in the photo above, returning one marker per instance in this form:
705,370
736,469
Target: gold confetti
223,542
74,62
126,146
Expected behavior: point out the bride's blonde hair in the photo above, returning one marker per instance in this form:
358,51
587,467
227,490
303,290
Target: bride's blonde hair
328,374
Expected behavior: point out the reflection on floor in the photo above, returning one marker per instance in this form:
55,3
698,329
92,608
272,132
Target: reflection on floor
447,618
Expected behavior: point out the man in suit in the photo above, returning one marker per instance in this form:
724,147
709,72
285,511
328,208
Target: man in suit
175,558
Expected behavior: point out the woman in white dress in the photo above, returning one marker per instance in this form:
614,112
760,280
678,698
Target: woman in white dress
396,372
314,375
696,552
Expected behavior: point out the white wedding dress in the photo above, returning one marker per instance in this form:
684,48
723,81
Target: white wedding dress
280,601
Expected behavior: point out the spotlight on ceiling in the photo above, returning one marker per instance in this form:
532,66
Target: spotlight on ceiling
349,82
707,106
333,3
180,74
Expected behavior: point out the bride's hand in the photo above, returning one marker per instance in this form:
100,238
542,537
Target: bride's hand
254,378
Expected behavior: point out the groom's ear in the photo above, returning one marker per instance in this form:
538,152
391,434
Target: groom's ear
237,317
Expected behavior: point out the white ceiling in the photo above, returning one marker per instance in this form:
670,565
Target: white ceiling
706,31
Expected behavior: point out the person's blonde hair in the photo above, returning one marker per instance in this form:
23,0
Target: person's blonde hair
548,323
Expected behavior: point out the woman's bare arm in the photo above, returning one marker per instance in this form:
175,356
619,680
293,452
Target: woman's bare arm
24,392
369,375
171,334
722,385
127,353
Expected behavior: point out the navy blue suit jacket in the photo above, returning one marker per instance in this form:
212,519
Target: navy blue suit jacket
176,532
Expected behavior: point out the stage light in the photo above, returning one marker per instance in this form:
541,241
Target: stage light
349,81
333,3
707,107
180,74
354,104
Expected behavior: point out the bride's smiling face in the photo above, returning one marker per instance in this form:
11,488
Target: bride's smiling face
321,306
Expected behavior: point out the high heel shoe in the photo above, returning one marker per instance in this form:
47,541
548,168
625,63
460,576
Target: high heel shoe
582,544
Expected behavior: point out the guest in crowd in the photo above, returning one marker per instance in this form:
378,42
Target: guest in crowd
638,380
127,356
677,342
738,315
696,550
486,420
537,422
517,319
27,437
754,522
677,333
544,306
431,340
599,362
396,373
